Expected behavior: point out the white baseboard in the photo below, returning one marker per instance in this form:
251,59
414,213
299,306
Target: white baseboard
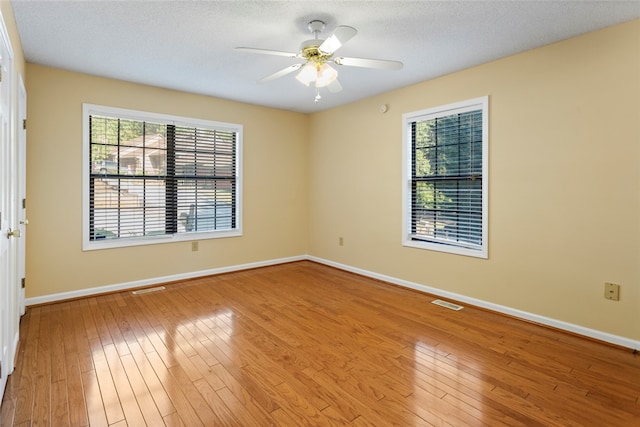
11,362
154,281
558,324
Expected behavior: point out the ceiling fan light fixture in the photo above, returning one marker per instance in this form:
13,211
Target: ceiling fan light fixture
326,75
307,74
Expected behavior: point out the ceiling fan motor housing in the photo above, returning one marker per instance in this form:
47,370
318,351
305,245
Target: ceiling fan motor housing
309,50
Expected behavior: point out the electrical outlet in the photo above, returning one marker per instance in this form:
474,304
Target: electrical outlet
612,291
340,241
194,246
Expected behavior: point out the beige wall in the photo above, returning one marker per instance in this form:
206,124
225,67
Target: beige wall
564,186
564,183
274,197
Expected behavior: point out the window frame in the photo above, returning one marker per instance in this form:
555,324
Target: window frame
128,114
480,103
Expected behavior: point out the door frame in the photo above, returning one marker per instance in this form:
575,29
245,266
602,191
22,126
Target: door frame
21,199
9,317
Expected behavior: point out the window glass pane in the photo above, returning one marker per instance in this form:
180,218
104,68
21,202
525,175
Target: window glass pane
123,153
205,168
151,178
127,208
143,149
104,139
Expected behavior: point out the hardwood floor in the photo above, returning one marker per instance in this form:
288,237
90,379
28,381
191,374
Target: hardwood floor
305,344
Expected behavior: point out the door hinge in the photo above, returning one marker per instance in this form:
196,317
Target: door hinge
24,124
0,369
23,282
24,203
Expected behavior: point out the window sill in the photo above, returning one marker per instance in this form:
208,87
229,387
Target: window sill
443,247
154,240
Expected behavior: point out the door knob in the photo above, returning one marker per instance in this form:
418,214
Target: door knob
24,222
13,233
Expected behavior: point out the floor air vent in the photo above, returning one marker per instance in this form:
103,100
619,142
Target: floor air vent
446,304
146,291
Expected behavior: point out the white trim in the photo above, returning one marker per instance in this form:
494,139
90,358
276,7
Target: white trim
156,280
481,251
21,140
16,342
5,36
554,323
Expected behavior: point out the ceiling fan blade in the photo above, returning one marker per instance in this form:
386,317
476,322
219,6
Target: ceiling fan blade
338,38
334,86
267,51
283,72
382,64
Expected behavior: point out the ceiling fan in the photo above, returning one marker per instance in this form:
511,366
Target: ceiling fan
318,54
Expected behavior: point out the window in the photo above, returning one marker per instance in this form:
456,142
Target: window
446,164
151,178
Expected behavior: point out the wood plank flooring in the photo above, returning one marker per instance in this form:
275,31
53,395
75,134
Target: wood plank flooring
303,344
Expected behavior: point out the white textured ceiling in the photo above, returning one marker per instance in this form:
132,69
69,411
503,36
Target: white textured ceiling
188,45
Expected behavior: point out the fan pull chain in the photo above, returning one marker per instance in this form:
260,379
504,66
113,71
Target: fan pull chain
318,97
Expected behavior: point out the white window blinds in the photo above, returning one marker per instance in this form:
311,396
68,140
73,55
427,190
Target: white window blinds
447,177
151,178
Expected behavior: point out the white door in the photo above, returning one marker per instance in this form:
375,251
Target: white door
8,217
5,240
22,191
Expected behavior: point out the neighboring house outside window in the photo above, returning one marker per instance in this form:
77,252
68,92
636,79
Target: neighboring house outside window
445,195
151,178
